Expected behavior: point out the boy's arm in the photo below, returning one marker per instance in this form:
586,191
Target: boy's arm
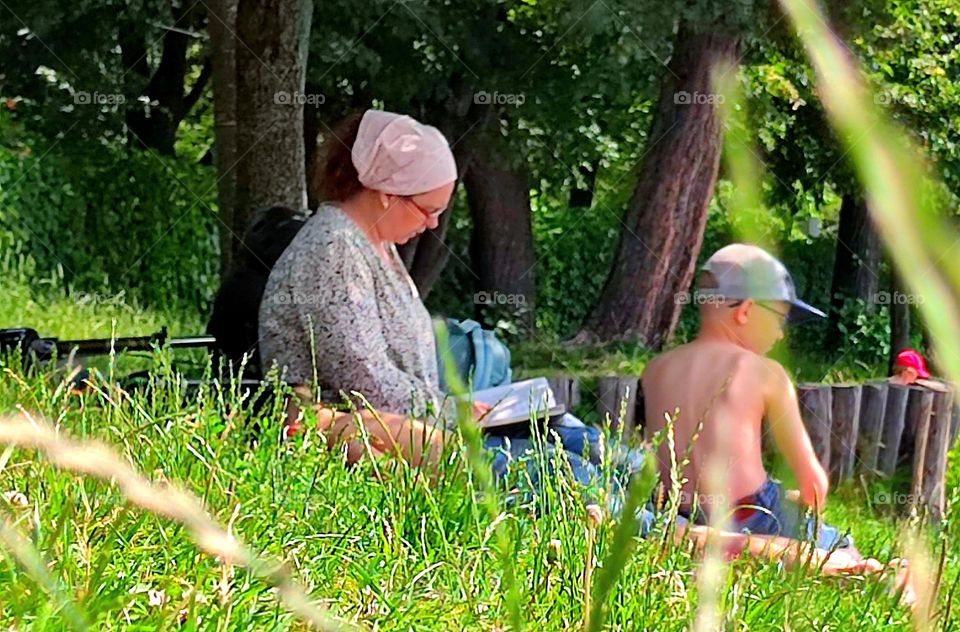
783,417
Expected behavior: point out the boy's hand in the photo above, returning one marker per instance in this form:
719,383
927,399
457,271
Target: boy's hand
813,492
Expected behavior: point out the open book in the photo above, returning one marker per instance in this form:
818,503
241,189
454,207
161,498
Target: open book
518,402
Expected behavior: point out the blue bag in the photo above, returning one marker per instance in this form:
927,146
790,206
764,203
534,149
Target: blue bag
477,354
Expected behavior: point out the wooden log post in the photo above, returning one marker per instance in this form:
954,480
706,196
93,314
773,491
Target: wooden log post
873,404
894,416
916,420
640,417
566,390
816,410
934,467
955,421
845,426
611,393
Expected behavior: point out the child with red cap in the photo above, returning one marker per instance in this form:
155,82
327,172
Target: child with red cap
909,367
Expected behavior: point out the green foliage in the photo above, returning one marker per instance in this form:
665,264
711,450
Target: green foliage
107,219
912,56
865,334
76,69
574,249
907,49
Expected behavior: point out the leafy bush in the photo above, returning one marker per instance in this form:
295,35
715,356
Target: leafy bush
106,219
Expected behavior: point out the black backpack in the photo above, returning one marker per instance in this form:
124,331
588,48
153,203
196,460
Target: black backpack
234,321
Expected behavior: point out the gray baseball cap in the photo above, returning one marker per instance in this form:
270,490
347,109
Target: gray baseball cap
745,271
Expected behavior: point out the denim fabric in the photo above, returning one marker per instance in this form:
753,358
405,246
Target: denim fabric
576,437
507,450
581,448
777,515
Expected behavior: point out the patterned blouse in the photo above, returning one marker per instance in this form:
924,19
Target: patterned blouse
331,291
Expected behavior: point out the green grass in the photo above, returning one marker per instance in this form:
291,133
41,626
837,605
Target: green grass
376,544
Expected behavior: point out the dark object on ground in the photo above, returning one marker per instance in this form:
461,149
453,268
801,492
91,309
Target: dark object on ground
36,349
234,321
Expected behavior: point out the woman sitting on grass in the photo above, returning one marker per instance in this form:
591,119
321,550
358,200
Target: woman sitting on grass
339,308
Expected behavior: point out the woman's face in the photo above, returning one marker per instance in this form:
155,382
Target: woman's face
406,216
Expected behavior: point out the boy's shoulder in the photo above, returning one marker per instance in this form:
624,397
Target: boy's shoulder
752,365
662,359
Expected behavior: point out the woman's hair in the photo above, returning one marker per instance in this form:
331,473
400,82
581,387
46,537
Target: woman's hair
334,177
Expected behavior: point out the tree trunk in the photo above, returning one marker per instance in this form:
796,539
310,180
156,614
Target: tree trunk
666,217
222,27
311,131
271,65
856,268
930,350
155,126
899,317
501,246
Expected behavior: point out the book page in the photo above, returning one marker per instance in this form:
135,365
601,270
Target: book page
515,402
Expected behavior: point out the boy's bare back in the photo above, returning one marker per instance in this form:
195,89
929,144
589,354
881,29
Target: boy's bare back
723,385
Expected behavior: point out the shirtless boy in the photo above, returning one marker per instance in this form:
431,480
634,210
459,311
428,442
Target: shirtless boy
746,297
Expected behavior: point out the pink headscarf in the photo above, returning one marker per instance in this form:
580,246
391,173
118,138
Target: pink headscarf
395,154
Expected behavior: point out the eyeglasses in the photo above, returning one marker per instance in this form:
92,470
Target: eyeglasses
427,214
784,318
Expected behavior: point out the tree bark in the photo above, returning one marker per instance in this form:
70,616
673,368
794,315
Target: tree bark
222,27
856,267
666,217
155,126
271,65
501,246
899,318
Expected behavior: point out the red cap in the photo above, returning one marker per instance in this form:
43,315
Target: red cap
910,358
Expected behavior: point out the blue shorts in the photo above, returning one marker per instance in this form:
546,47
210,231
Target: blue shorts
769,512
